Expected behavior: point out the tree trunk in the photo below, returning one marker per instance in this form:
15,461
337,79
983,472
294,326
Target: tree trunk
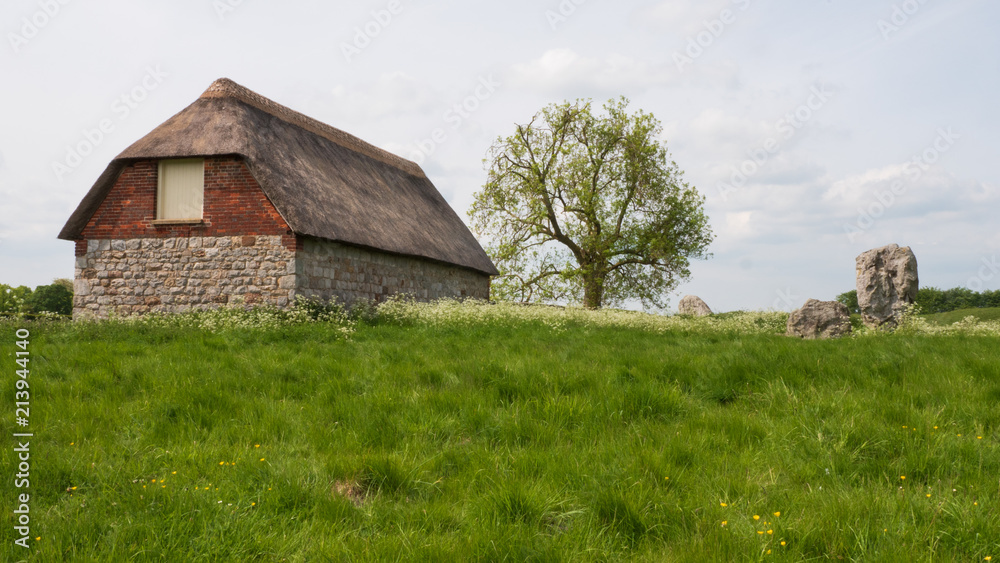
593,289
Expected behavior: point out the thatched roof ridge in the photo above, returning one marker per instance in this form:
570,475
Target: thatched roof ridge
325,183
226,88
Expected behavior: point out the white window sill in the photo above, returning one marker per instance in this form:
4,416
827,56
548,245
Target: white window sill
163,222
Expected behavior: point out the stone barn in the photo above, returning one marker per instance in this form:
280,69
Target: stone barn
237,196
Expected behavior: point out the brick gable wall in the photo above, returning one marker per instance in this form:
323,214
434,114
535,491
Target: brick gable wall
234,205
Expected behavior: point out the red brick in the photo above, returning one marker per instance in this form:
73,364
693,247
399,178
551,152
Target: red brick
234,205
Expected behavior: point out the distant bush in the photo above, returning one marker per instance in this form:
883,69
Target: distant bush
850,300
12,299
55,298
934,300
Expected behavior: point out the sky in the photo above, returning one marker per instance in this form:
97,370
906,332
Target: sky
815,129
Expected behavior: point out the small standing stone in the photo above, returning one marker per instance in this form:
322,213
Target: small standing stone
887,283
693,305
819,320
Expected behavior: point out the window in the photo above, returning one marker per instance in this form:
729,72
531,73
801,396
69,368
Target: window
181,190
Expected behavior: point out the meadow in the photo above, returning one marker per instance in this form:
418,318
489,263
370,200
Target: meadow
457,432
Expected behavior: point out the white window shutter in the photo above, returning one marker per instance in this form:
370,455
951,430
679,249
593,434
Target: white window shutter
181,189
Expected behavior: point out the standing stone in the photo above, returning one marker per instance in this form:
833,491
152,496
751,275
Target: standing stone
887,284
693,305
819,320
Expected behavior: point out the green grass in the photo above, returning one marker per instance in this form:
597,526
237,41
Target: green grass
505,441
985,314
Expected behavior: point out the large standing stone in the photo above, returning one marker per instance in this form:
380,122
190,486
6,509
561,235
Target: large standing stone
818,320
693,305
887,284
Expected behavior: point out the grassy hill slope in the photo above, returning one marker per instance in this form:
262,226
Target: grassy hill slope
985,314
507,441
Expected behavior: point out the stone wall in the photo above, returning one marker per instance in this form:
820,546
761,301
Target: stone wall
131,276
325,269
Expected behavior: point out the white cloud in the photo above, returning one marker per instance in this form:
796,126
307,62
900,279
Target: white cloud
684,17
905,190
395,93
854,189
565,71
738,224
715,126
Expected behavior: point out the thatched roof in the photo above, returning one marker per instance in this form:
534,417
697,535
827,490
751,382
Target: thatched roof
324,182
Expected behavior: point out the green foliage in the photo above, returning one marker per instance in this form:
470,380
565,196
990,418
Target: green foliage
934,300
55,298
237,316
12,299
850,300
588,209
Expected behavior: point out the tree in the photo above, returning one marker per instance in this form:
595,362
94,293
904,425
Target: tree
12,299
55,298
65,282
850,300
584,207
931,300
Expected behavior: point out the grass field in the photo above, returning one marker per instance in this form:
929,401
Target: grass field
539,436
987,314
